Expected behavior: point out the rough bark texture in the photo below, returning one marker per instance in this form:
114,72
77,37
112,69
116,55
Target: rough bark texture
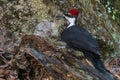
37,56
20,17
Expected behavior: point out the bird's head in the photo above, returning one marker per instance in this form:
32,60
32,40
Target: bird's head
71,15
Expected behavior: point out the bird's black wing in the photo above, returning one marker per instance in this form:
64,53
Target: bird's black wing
83,46
81,39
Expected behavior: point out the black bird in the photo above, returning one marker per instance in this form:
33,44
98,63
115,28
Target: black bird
78,38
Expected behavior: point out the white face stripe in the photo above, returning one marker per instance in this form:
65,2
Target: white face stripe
71,21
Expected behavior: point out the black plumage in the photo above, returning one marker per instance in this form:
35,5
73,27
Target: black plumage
78,38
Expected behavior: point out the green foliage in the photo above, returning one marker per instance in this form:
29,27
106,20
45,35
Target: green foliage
113,8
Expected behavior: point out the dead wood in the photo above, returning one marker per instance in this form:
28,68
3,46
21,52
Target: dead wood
37,58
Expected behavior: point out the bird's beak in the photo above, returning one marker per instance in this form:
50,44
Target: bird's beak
59,17
62,15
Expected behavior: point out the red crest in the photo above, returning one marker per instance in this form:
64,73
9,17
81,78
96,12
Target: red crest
74,12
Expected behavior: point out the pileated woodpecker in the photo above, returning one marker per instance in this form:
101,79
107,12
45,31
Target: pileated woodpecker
78,38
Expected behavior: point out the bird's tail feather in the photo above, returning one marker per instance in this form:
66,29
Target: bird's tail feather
98,64
96,61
